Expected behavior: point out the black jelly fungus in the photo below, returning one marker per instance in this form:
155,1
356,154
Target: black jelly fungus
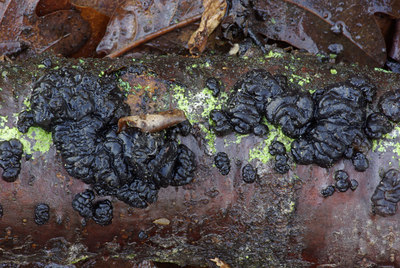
222,162
360,161
42,214
142,235
221,123
82,111
249,174
276,148
342,185
377,125
389,105
281,163
10,159
341,175
261,130
214,85
103,212
1,211
82,203
353,184
328,191
387,194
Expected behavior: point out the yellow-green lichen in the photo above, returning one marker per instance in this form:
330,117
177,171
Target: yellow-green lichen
333,71
36,140
299,79
210,138
389,142
273,54
81,258
382,70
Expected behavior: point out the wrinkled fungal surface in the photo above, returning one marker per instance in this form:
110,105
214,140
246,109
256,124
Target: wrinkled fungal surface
10,159
82,112
377,125
353,184
277,147
42,213
389,105
281,163
103,212
82,203
222,162
387,194
360,161
249,174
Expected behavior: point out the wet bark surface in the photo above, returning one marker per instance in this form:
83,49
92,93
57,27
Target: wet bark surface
278,220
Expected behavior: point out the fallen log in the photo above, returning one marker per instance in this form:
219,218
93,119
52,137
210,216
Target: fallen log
280,220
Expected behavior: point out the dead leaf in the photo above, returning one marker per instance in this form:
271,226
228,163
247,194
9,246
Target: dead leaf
314,25
214,11
152,122
162,221
62,31
220,263
136,22
105,7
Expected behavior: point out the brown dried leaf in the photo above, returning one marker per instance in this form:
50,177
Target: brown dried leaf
106,7
220,263
314,25
62,31
214,11
136,22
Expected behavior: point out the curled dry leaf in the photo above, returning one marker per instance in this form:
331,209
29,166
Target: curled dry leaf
214,11
220,263
153,122
314,25
135,22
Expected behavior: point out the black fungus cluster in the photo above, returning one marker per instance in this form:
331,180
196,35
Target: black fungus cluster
10,159
42,213
387,194
281,159
326,126
342,184
82,110
213,84
389,105
249,174
222,162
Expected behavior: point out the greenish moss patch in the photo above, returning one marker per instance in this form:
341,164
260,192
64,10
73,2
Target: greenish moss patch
382,70
273,54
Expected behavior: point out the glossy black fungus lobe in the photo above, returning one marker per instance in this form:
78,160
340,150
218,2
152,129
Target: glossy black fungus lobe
360,161
353,184
249,174
341,175
10,159
328,191
389,104
281,163
82,203
387,194
276,148
103,212
377,125
214,85
222,162
82,110
42,214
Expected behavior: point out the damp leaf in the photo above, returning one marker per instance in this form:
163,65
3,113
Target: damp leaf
315,25
153,122
135,22
214,11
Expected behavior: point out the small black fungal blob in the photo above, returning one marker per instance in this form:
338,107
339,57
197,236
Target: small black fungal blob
182,128
222,162
389,105
277,147
353,184
42,213
1,210
185,166
342,185
281,165
328,191
82,203
341,175
142,235
10,159
387,194
360,161
249,174
214,85
103,212
377,125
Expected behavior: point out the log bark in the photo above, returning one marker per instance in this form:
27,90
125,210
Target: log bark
280,220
